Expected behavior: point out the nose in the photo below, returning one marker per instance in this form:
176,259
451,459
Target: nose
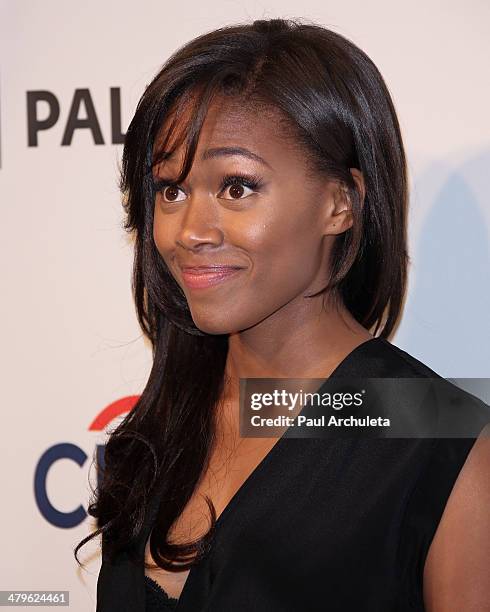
200,224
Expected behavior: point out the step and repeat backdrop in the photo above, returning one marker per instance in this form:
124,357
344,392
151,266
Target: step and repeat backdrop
73,357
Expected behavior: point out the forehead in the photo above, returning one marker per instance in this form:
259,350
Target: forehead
229,124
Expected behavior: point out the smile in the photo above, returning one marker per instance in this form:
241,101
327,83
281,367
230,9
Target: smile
200,278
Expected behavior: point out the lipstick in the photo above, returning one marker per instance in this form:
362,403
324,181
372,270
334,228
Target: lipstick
207,276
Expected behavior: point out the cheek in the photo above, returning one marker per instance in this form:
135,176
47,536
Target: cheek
283,253
286,257
161,238
285,250
285,271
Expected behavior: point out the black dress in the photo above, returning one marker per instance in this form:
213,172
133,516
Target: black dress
157,599
321,524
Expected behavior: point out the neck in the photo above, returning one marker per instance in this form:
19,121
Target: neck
306,339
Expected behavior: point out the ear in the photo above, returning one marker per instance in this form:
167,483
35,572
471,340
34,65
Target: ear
339,215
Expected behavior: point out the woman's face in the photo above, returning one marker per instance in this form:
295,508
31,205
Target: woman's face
274,227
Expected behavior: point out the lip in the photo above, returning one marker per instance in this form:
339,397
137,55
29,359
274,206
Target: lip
200,277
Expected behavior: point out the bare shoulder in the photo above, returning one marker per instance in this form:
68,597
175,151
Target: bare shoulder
456,572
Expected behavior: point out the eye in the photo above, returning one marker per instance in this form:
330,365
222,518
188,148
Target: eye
170,193
240,186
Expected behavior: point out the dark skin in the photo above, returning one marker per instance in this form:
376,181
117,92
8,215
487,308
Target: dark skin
457,568
281,233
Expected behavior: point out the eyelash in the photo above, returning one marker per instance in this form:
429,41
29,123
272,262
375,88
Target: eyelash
251,181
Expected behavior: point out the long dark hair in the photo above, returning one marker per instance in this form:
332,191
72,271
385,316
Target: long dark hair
339,109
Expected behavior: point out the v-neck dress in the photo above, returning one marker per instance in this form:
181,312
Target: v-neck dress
157,599
340,524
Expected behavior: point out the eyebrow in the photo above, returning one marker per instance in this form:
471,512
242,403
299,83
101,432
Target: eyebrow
224,152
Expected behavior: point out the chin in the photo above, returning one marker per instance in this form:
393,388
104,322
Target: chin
212,324
209,327
219,323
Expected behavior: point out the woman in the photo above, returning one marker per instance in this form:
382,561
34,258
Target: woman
265,184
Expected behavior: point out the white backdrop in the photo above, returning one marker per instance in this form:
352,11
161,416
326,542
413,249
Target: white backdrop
70,341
